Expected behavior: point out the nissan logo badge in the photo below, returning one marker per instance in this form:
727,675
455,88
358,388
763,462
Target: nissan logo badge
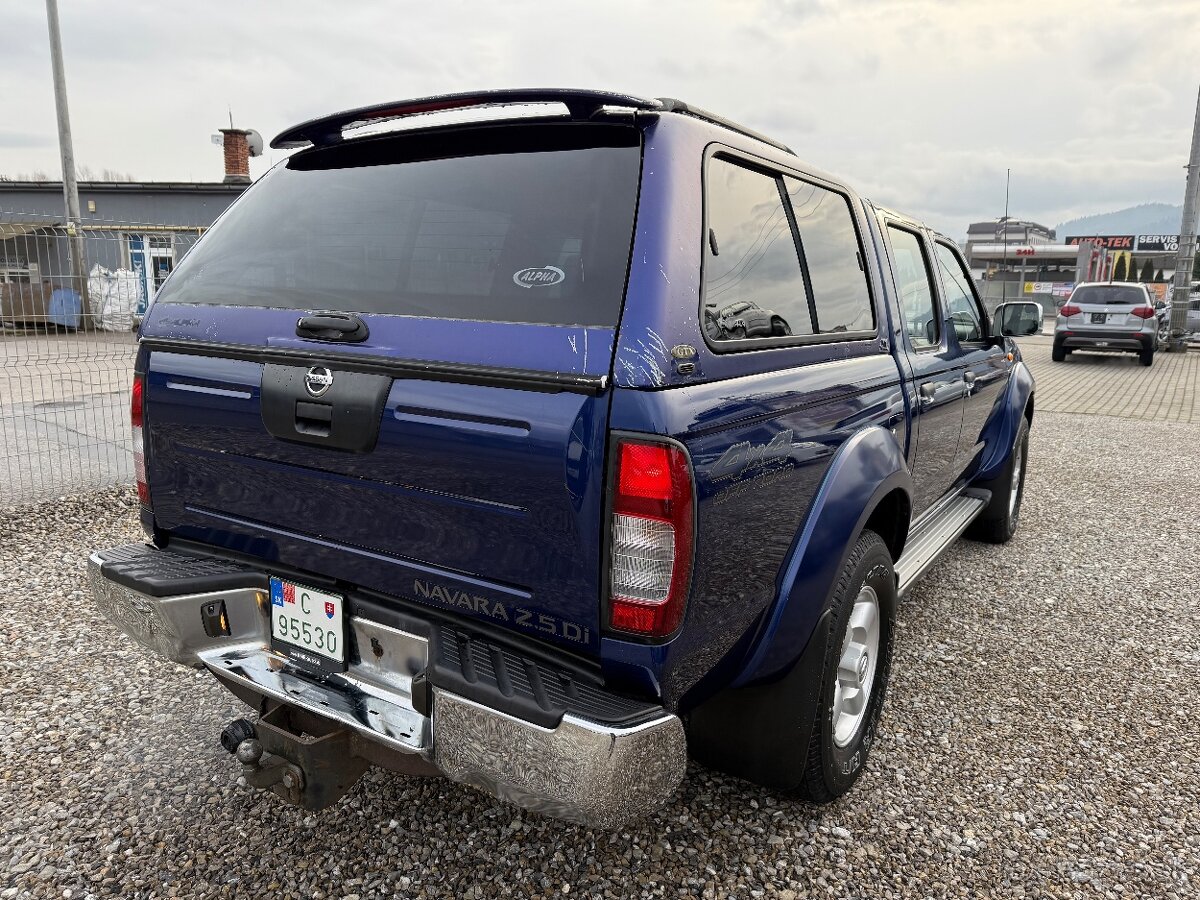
318,380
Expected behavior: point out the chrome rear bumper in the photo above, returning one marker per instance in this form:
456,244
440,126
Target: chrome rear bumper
580,770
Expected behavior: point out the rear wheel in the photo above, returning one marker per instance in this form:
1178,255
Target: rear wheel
1058,353
998,522
1146,357
857,664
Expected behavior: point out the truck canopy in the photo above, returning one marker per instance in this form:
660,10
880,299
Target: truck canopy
452,464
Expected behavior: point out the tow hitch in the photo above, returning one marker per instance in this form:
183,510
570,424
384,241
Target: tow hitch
306,760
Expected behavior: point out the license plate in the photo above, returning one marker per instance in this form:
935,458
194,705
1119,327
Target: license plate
1101,343
307,625
1098,318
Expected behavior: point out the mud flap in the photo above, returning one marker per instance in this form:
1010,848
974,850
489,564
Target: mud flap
761,732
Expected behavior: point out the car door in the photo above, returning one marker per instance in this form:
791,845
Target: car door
985,362
937,385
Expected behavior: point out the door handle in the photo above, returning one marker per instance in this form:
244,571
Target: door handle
345,327
927,392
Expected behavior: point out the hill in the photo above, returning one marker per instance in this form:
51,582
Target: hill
1146,218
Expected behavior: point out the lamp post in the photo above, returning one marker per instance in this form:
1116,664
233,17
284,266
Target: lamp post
1187,243
67,150
1004,263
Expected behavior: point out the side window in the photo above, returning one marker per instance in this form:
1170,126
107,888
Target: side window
960,299
753,285
916,289
831,251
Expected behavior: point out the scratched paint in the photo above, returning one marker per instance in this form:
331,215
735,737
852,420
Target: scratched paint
650,354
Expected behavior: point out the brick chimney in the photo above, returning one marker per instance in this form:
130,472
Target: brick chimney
237,156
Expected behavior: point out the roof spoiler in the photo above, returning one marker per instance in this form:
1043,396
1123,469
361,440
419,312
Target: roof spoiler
328,129
580,104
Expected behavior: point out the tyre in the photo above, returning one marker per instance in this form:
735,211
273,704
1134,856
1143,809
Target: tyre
998,522
1146,357
1058,354
857,663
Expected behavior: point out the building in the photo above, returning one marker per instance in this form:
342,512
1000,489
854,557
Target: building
1010,258
1005,255
142,228
1007,230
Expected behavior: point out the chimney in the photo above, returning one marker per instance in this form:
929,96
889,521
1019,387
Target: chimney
237,156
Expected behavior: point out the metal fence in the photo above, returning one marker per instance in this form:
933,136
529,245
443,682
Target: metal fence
69,304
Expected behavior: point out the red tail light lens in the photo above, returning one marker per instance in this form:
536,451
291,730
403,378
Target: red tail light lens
650,549
137,400
137,411
1143,312
1069,310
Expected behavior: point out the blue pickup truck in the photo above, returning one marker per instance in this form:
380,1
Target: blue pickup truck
547,447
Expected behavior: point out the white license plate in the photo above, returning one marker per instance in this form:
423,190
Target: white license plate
308,623
1101,343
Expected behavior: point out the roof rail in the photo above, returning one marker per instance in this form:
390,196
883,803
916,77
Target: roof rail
669,104
328,129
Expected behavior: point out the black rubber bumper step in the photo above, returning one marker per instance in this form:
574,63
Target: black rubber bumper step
162,573
536,690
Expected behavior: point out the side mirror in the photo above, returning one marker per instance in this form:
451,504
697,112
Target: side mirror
1017,319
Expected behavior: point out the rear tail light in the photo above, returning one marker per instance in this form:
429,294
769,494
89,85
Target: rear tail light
137,411
1143,312
650,545
1069,310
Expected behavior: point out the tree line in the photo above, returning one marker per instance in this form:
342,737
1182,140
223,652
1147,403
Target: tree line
83,173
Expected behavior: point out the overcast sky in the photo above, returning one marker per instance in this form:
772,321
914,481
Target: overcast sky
921,105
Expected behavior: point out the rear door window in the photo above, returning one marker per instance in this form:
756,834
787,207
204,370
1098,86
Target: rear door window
529,224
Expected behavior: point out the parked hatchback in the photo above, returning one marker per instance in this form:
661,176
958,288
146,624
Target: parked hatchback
1109,317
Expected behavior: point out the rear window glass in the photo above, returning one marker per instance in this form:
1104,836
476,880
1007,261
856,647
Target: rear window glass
1109,294
753,284
535,229
782,258
841,299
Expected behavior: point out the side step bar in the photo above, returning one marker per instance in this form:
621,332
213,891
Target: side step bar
936,533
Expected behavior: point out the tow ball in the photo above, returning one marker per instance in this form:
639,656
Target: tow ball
299,758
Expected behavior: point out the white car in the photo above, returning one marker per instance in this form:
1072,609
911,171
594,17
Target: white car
1113,317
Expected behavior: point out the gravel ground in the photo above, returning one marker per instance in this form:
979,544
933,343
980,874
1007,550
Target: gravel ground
1039,740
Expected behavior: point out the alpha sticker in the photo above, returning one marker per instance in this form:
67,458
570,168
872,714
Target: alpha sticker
539,276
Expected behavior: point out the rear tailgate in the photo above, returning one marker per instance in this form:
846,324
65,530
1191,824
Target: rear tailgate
1101,316
1108,307
455,456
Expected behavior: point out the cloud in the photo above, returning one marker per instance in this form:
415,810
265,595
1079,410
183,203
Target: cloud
25,139
921,104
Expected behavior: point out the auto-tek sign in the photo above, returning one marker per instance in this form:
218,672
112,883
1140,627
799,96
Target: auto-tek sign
1144,243
1106,241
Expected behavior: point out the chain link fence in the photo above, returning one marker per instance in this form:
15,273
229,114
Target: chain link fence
69,306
